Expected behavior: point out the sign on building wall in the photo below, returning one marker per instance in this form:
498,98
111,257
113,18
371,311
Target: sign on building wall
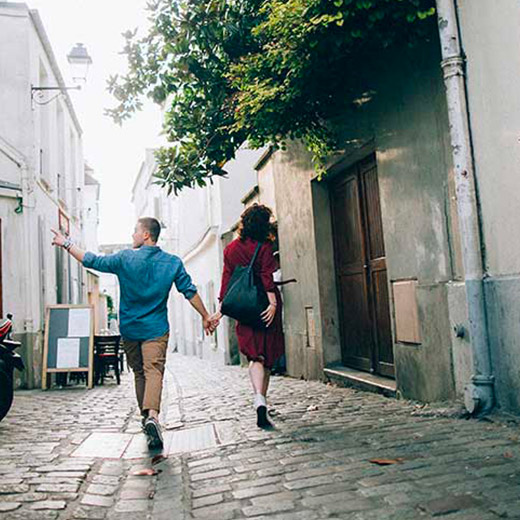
69,341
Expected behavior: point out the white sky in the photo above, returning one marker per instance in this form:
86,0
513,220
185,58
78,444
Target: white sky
115,153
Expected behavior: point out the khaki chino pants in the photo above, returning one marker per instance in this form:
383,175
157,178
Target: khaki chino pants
147,360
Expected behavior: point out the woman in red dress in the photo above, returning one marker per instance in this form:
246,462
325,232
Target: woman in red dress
261,347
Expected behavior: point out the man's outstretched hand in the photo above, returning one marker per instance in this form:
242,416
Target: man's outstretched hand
59,238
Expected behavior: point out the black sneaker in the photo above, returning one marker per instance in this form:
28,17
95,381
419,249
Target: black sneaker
153,434
261,418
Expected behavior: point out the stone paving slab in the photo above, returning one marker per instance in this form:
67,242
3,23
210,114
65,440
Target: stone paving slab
104,445
192,439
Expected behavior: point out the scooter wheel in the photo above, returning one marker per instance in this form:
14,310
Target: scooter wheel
6,395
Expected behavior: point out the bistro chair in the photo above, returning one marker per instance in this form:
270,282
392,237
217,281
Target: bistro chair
106,357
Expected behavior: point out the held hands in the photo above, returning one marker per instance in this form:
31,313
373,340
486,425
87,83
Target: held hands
269,314
210,323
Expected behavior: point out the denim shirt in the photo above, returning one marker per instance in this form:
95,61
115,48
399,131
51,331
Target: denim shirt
146,276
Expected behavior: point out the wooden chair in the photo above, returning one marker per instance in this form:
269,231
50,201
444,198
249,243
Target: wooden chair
106,356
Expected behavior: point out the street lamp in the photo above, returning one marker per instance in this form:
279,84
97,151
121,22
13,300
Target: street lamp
80,61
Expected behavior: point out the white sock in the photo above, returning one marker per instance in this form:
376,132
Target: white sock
259,401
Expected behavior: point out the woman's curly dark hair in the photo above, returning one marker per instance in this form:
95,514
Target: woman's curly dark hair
255,223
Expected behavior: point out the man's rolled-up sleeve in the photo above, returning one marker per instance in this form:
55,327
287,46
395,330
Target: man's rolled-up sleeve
102,263
184,284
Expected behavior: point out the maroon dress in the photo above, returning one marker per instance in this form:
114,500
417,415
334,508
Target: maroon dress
255,344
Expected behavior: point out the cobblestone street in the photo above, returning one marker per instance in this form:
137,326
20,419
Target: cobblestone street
71,454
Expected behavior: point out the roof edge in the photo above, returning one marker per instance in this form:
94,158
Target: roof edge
42,34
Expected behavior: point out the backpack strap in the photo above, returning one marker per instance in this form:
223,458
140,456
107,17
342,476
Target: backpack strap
259,245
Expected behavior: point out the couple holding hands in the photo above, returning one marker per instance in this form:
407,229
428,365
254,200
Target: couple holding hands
146,274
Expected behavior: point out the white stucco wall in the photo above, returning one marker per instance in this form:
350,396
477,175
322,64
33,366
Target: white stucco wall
28,258
91,217
242,178
491,41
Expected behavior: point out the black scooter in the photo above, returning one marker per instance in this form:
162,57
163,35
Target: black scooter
9,360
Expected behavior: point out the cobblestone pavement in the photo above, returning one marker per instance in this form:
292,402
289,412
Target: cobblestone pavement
71,454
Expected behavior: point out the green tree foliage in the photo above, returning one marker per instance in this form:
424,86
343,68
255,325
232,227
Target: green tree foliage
261,71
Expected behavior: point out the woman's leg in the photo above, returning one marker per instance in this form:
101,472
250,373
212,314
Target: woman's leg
267,376
257,376
260,380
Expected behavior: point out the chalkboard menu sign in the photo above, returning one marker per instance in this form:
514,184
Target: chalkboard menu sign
69,341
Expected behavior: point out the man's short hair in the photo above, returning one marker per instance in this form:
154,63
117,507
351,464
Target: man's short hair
151,225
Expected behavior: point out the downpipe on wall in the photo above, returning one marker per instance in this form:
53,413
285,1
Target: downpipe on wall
21,162
479,395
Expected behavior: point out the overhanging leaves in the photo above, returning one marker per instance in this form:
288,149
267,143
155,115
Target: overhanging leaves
245,70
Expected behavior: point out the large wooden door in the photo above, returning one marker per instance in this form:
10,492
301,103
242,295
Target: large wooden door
361,270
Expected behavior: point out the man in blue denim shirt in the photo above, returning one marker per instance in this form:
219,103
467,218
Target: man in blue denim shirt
146,275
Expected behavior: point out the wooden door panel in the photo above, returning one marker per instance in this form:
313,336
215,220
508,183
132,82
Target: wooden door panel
356,344
374,223
376,260
384,351
347,225
356,327
377,264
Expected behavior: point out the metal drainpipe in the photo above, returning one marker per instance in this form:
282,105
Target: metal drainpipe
29,275
479,393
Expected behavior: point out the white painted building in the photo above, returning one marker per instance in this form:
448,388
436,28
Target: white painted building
90,217
150,200
197,226
90,220
41,182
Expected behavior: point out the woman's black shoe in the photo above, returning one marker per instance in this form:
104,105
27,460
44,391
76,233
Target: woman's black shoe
261,418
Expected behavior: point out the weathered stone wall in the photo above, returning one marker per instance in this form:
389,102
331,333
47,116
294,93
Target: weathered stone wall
404,121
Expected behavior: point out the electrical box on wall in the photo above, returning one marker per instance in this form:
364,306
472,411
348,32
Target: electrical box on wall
407,327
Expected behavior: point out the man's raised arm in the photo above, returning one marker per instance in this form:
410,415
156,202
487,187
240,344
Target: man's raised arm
103,263
61,240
